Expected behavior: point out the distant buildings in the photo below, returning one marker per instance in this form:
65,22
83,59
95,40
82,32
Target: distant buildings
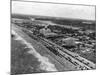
69,41
47,32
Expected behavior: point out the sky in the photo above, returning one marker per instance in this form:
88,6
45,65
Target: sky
54,10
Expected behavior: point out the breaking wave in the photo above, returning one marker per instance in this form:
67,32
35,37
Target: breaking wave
45,63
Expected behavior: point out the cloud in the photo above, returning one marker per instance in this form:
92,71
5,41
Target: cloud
55,10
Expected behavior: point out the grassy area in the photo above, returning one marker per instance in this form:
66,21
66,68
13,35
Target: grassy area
89,56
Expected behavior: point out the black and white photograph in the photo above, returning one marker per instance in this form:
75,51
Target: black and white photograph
51,37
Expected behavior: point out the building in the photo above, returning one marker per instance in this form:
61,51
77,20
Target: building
47,32
68,41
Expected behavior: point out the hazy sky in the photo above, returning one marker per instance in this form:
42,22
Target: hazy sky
55,10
